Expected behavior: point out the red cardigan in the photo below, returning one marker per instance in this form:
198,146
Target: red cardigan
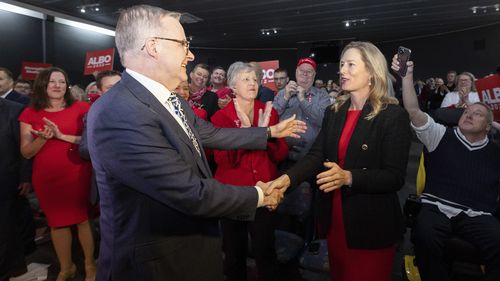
246,167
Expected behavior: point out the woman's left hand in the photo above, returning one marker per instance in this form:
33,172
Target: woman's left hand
335,177
53,127
265,115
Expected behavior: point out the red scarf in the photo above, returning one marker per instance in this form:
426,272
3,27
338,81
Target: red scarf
196,96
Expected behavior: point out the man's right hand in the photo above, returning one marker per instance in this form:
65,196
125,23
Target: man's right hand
271,198
290,89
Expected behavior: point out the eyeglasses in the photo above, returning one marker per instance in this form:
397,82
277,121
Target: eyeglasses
306,72
184,43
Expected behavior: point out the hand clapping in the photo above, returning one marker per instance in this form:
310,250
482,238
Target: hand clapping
265,115
244,119
45,134
53,127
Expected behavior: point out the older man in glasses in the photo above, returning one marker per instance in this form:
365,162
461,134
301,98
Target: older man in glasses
159,202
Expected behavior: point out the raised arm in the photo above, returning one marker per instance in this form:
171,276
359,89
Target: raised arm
410,101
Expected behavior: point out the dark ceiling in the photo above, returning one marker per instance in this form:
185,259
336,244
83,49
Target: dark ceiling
238,23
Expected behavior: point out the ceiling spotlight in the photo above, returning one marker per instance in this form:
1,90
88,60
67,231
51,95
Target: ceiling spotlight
484,10
415,14
89,8
497,7
270,31
474,10
312,55
347,24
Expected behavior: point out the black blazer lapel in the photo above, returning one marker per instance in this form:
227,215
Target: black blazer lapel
357,142
147,98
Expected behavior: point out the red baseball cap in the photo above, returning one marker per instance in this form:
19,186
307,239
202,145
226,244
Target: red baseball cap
309,61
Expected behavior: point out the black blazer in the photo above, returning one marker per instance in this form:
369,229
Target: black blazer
210,103
17,97
377,156
13,167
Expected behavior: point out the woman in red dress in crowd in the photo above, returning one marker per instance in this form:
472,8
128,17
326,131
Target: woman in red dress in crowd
359,159
50,132
245,167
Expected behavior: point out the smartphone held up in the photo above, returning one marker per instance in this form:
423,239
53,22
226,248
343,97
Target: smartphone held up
403,57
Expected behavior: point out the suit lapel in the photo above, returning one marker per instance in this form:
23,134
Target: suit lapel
357,141
147,98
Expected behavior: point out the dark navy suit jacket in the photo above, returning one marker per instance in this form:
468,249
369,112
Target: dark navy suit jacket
17,97
159,202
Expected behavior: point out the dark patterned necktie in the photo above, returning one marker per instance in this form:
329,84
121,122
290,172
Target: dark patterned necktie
174,100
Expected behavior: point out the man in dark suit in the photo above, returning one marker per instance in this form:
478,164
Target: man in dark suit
15,182
159,202
7,85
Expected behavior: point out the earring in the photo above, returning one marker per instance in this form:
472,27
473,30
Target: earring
369,83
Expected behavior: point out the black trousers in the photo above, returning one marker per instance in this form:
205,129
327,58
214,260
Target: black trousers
433,228
235,246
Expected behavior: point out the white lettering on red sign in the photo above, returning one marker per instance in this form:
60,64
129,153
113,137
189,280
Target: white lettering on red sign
491,97
99,61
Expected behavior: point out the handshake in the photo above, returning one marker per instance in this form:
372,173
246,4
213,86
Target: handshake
334,177
274,191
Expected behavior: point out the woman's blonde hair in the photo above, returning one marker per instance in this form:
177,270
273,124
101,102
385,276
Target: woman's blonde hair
376,65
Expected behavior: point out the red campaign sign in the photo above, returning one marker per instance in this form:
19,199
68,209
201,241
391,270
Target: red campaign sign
268,68
488,89
98,61
29,70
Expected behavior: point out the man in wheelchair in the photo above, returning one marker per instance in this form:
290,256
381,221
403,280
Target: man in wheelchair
462,186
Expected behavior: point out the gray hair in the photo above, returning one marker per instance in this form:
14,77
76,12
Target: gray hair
137,23
235,70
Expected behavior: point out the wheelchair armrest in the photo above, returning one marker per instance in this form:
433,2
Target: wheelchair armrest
411,209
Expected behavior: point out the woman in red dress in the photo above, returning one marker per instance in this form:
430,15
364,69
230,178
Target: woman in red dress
359,159
50,132
245,167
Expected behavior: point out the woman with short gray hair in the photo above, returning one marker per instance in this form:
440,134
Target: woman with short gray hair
247,167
